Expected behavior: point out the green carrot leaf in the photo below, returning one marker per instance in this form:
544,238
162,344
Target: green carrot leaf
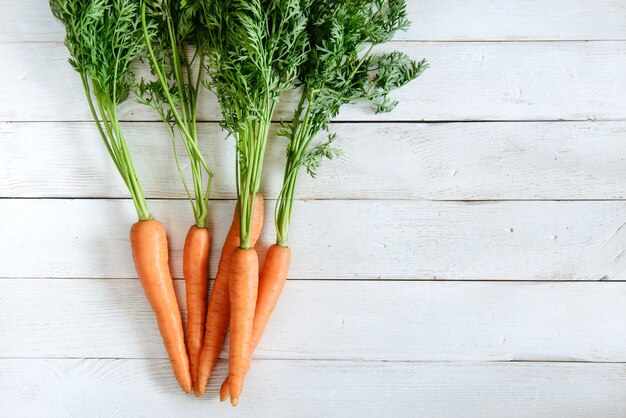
104,39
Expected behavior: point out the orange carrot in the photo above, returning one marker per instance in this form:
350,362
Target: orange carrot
271,286
242,286
218,314
196,271
149,246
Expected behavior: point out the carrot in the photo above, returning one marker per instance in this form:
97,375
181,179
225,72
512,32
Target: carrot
196,272
104,41
271,285
149,247
166,35
218,314
239,77
242,286
323,91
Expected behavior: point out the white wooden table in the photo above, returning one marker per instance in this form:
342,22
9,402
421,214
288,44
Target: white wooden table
465,258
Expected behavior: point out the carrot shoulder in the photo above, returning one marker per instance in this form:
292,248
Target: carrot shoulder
196,271
271,283
243,286
150,253
218,313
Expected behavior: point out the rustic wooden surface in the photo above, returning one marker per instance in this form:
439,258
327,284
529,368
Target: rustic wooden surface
464,258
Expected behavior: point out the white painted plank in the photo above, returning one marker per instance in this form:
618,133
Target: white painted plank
433,20
141,388
395,321
337,239
437,20
458,161
467,81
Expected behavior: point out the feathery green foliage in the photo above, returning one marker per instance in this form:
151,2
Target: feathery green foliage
254,51
170,31
340,68
104,38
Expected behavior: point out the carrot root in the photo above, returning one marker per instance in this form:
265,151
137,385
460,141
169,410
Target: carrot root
196,272
243,287
218,313
271,285
150,253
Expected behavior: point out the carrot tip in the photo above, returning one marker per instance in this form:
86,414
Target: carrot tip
233,401
197,393
200,390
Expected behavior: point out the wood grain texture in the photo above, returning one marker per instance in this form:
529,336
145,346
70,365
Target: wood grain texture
467,81
337,239
336,320
433,20
141,388
452,161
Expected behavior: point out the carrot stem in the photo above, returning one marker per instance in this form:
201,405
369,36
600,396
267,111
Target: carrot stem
172,67
115,144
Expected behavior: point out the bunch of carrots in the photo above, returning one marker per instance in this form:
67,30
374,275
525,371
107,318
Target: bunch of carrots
247,53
